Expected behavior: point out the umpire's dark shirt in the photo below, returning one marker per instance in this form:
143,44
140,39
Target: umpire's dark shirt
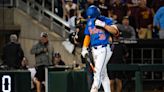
12,55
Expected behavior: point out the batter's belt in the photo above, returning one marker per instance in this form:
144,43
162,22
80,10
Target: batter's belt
100,46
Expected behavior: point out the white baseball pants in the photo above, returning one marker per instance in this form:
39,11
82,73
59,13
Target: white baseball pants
101,56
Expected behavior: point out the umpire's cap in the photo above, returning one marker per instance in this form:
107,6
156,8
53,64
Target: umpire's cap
93,11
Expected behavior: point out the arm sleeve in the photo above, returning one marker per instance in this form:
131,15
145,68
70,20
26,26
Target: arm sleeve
86,31
157,17
108,21
86,41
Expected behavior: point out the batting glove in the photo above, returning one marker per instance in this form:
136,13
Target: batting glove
84,52
99,23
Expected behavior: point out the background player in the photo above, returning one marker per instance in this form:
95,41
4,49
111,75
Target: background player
97,32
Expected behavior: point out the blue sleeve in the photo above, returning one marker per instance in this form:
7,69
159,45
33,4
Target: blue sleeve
107,20
157,16
86,31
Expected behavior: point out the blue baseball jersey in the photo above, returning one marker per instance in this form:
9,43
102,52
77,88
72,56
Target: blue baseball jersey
98,36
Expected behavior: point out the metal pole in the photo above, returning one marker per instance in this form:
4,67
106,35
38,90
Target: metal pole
52,10
46,79
28,7
138,82
17,3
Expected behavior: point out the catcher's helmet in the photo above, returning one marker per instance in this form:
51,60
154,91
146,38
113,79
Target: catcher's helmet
93,11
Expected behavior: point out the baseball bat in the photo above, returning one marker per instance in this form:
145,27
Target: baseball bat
90,62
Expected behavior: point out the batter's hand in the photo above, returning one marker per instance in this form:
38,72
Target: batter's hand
84,52
116,28
99,23
90,62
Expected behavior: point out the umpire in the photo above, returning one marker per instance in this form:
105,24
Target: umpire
43,52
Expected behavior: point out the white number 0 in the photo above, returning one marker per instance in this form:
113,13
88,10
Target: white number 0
8,89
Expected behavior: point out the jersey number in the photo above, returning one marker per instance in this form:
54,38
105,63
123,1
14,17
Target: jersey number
101,37
6,87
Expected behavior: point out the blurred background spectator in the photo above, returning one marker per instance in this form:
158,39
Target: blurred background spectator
85,5
43,51
159,22
119,10
155,4
69,4
104,7
126,31
59,7
144,20
13,54
57,59
132,3
72,20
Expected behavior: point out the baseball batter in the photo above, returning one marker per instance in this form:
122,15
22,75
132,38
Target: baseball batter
97,33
